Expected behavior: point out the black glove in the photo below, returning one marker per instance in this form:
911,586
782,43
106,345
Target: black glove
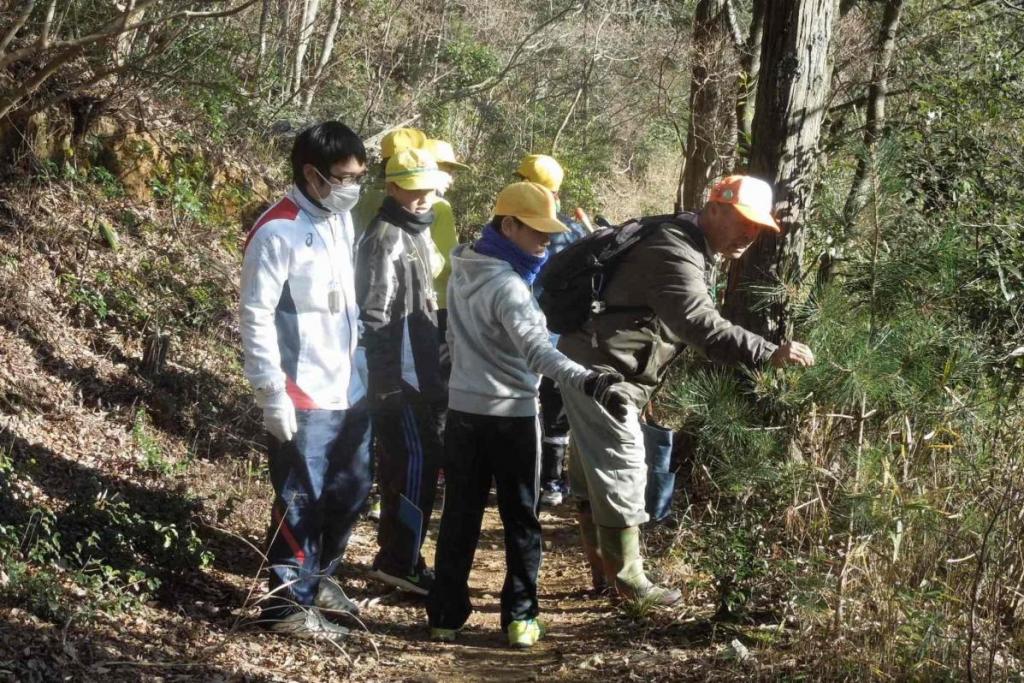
602,387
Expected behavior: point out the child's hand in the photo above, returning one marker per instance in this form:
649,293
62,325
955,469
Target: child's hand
602,387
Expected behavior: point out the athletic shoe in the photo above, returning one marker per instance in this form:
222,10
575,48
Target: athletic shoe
374,511
418,583
551,496
307,623
443,635
524,633
331,598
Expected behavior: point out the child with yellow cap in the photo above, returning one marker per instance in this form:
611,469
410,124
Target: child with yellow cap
546,171
395,269
365,210
397,140
444,234
500,346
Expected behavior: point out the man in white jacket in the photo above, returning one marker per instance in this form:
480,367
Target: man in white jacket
299,326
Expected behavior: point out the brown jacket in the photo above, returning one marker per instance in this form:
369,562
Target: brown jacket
659,303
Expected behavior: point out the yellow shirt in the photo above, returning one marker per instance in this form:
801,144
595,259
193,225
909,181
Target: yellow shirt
367,207
442,231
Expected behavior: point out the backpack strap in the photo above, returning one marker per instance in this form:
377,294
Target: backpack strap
632,232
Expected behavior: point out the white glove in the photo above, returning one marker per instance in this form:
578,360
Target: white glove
278,414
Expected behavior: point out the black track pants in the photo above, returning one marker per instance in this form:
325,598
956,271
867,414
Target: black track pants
479,449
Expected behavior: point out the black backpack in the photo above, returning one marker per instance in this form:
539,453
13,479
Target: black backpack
573,280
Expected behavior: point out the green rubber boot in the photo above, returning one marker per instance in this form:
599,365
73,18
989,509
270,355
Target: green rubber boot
588,539
620,553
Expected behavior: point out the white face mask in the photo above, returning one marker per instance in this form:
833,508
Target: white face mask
340,199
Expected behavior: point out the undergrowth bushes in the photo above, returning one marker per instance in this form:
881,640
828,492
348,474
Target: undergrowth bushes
873,501
105,551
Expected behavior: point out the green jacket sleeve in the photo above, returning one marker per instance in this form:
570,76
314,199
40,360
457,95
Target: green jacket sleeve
442,231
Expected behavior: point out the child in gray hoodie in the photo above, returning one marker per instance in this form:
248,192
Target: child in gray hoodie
500,346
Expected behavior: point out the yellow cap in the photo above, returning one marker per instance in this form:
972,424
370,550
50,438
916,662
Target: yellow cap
530,203
414,169
399,140
540,168
444,154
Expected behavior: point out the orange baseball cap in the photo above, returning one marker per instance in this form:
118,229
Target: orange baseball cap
751,196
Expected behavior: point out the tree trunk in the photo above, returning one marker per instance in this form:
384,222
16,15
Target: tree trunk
310,8
750,68
711,135
264,21
875,118
791,94
156,345
283,24
325,56
17,25
125,38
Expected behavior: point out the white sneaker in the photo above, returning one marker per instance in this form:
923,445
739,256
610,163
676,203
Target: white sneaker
551,498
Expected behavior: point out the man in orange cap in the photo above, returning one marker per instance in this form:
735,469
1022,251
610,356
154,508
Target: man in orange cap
656,303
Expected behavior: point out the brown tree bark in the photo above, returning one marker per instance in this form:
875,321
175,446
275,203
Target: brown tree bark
711,134
750,69
791,94
875,116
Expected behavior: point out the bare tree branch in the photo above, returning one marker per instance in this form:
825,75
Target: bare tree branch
17,25
734,27
11,98
325,55
113,28
512,61
44,34
310,10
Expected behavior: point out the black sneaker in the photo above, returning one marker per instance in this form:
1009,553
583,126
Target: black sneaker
307,623
331,598
418,582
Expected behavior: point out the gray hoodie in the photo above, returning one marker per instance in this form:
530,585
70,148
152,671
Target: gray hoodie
498,340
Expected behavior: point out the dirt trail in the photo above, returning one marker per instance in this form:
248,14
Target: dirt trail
574,618
194,628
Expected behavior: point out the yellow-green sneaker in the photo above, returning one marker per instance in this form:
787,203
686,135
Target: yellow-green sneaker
525,632
443,635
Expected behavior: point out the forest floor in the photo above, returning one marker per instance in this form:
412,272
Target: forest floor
198,630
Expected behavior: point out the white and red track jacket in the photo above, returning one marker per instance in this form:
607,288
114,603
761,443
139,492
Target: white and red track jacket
296,255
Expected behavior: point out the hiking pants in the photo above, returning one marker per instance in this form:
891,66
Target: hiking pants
556,432
479,448
321,479
611,470
410,435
